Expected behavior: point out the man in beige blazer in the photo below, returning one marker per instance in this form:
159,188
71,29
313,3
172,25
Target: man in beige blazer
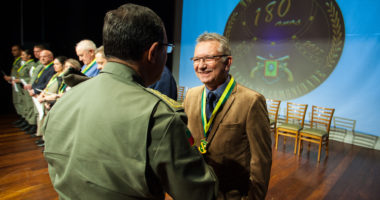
232,132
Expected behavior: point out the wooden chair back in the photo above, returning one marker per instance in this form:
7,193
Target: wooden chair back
180,93
295,113
321,118
273,107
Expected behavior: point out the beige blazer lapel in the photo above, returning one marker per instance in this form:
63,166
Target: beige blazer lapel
220,116
198,111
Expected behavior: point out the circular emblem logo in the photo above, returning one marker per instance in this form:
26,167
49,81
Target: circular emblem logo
285,48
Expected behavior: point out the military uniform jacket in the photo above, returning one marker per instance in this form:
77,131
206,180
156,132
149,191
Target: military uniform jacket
239,142
36,70
110,138
16,64
24,72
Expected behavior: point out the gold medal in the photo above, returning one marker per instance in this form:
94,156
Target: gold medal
202,147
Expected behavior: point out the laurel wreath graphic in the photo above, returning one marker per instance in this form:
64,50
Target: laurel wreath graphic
229,25
337,42
310,50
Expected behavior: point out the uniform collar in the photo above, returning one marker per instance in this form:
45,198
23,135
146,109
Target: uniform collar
122,71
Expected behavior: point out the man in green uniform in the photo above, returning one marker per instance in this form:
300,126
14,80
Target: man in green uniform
112,138
16,96
23,76
37,49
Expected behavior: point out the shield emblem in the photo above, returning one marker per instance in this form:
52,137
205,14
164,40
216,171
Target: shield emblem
271,68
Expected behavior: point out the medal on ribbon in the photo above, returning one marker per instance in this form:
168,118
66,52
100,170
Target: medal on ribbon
207,123
202,146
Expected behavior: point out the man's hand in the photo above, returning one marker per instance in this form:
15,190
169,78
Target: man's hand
47,106
7,78
41,98
51,97
31,92
28,87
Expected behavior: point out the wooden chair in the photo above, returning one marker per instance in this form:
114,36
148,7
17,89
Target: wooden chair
273,107
319,129
180,93
295,118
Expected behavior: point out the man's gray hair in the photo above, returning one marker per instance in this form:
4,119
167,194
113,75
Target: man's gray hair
86,45
224,47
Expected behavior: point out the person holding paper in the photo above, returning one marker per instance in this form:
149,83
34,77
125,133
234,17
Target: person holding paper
22,79
16,99
49,94
43,77
37,68
55,83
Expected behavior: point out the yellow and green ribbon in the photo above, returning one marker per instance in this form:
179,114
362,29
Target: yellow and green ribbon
206,124
16,60
88,67
45,68
22,66
52,80
62,88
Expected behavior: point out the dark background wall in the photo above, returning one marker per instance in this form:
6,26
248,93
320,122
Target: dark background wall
60,25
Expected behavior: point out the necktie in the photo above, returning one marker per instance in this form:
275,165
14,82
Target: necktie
210,102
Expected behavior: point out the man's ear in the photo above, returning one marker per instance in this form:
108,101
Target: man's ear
91,52
153,52
228,63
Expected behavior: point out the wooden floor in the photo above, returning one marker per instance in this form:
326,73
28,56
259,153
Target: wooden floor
349,172
23,170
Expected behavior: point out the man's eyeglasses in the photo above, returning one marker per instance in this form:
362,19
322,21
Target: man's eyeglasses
170,47
206,59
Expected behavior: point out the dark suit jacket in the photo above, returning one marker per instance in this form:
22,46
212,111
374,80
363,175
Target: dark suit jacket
41,82
166,85
239,143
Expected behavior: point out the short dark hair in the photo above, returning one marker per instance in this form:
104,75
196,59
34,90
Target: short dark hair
61,59
40,46
18,46
28,51
130,30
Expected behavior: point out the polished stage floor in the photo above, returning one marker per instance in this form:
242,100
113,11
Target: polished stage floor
349,172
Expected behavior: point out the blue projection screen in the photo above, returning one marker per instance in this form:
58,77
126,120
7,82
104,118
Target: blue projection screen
317,52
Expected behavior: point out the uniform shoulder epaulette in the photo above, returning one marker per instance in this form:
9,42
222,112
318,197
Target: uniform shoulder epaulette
175,105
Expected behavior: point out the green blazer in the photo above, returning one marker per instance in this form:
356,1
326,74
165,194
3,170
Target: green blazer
111,138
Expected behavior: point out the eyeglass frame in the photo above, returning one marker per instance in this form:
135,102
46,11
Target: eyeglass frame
212,58
170,47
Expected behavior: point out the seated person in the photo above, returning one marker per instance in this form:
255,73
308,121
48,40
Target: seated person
73,75
50,97
100,58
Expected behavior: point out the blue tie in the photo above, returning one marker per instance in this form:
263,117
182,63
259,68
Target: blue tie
211,97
